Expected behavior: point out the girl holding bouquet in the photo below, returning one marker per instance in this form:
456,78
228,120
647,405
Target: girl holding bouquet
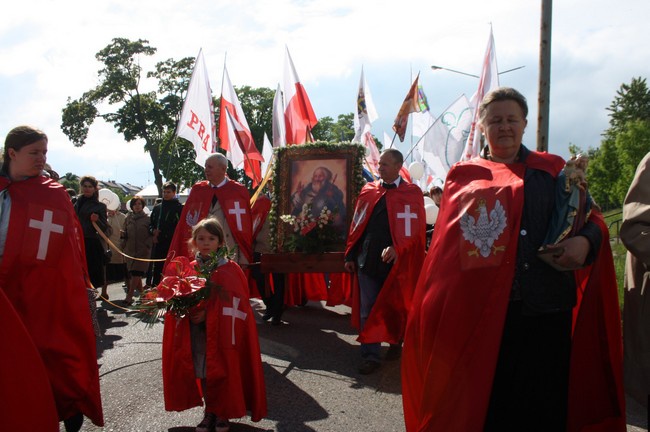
219,335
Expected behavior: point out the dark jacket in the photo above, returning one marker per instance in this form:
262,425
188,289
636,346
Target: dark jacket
377,237
84,207
542,288
164,217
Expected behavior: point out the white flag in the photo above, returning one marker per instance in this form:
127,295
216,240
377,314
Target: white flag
197,123
447,136
489,81
365,113
279,139
267,153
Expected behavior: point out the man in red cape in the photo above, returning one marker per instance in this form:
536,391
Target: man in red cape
43,274
233,362
386,247
226,200
455,327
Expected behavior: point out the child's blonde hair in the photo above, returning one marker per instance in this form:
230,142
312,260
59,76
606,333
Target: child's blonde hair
212,226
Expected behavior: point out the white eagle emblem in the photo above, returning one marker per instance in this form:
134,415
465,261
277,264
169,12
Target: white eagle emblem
484,231
192,218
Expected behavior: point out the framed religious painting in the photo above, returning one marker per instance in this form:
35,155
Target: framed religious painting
314,189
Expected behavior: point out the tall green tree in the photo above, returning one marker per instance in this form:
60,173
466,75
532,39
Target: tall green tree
340,131
150,116
632,102
632,144
70,181
624,144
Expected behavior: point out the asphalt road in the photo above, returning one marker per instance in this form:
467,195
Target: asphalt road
310,367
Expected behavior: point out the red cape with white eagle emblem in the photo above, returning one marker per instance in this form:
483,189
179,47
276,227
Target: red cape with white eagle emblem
406,216
454,329
44,276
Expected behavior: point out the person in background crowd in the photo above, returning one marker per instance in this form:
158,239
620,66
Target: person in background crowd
43,276
489,344
270,287
636,309
385,248
73,194
164,218
89,210
435,193
116,267
136,243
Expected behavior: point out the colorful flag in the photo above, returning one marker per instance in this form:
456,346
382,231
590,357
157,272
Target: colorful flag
299,116
230,104
372,154
365,113
197,123
423,119
489,81
279,138
409,105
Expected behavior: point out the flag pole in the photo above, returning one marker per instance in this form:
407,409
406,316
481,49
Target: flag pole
393,140
223,79
266,178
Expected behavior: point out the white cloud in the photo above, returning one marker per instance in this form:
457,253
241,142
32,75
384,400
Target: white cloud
47,51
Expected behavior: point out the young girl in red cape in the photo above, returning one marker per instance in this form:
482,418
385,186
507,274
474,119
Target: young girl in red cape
213,354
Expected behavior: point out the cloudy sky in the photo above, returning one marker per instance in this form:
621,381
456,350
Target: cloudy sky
47,54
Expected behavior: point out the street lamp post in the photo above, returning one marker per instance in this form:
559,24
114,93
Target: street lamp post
454,71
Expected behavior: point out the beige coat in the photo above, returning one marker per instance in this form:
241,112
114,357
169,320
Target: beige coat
116,222
138,241
635,235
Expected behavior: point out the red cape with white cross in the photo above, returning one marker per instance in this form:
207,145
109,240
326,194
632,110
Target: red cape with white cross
44,276
234,374
406,216
235,202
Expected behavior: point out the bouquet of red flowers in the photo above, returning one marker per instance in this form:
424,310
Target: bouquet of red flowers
181,289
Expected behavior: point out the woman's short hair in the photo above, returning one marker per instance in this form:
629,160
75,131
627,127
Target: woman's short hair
89,179
502,94
17,138
135,199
